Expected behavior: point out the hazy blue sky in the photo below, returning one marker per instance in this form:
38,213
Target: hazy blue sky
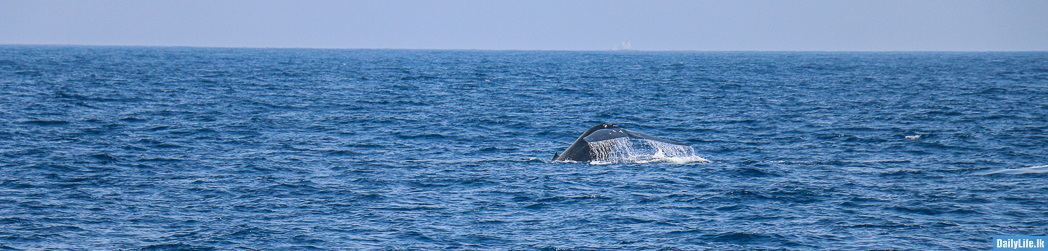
908,25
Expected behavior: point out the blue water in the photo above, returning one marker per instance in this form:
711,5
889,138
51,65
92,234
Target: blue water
203,148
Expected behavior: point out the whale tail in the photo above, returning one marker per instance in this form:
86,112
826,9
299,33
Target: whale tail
607,143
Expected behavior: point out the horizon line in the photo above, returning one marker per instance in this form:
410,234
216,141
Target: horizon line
537,50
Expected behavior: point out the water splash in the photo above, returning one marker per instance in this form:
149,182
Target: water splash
634,150
1027,170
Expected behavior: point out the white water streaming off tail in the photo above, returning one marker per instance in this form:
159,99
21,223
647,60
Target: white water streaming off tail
1027,170
633,150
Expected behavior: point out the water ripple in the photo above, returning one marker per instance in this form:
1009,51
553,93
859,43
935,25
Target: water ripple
221,148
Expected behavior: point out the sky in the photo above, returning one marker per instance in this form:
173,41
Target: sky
699,25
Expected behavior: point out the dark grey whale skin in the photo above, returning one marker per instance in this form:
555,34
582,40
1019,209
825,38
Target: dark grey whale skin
580,150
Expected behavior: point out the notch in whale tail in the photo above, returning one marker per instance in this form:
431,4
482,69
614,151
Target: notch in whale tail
580,150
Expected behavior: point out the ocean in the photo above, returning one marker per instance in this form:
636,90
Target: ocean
168,148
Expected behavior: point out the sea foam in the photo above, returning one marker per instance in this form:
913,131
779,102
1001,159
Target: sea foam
633,150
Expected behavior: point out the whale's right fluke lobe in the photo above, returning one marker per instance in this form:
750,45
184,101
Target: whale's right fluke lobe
649,137
609,143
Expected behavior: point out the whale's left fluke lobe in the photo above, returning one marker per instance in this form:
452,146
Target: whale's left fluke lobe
602,142
580,150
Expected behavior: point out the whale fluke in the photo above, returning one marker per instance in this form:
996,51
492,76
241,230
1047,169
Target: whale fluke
606,142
